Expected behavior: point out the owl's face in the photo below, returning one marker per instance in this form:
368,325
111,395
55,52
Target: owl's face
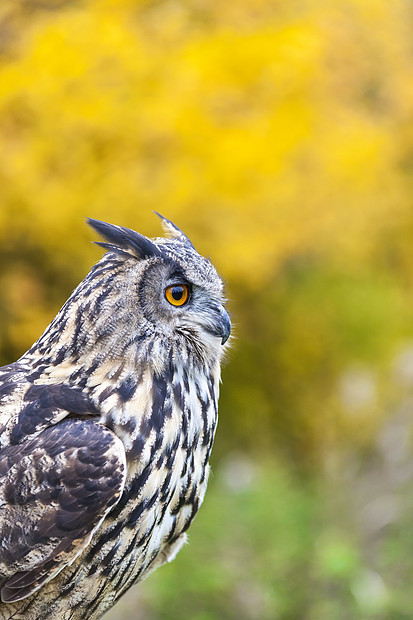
164,296
181,295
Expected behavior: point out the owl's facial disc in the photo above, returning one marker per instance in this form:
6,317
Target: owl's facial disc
203,310
204,314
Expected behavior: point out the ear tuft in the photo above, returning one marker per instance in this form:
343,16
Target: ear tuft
173,232
124,240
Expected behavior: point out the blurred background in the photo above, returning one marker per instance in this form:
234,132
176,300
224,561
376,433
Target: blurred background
279,137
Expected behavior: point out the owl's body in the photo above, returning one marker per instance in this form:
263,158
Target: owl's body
106,427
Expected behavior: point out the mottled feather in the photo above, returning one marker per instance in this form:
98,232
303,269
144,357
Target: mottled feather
106,428
54,491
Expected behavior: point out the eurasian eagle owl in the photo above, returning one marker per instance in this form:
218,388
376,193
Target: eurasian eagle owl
106,427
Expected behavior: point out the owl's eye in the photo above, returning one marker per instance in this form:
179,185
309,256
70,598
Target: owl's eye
177,295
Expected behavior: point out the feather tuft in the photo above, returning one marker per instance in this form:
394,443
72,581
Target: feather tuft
123,239
173,231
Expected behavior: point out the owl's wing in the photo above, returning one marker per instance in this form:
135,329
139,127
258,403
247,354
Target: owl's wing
55,490
27,408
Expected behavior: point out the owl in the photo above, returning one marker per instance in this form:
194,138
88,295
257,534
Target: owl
106,428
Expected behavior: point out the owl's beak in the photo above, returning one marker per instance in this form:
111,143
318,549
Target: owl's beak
220,325
224,325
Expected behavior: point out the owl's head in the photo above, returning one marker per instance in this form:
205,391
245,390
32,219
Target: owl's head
152,297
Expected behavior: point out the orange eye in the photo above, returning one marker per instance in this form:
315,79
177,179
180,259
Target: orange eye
177,295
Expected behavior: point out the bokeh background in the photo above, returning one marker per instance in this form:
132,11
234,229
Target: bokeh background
279,137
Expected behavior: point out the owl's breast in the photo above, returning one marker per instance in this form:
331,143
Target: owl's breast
168,479
167,427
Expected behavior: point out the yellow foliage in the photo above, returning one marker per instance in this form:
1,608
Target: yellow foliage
271,132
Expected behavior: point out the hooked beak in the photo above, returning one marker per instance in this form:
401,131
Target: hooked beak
224,325
218,322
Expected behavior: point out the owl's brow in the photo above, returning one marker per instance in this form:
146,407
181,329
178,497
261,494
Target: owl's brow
179,275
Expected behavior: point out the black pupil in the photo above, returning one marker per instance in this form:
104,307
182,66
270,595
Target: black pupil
177,293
